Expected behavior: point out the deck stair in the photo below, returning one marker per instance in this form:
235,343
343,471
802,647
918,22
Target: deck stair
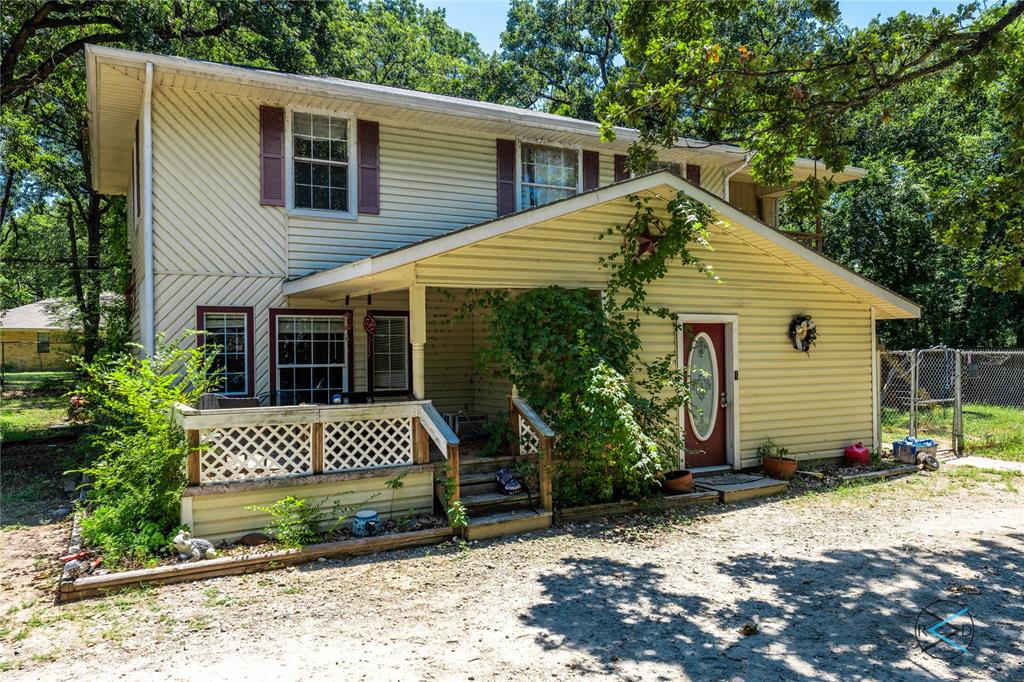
492,513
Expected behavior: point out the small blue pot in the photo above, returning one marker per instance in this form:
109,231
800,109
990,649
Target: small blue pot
366,523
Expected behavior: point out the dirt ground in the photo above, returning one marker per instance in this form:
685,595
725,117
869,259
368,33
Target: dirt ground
813,586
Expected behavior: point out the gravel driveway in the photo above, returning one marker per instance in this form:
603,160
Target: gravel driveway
815,586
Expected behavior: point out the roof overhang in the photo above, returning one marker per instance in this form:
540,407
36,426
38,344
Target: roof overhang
115,79
397,266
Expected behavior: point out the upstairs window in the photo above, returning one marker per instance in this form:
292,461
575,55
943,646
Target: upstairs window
547,174
321,153
664,165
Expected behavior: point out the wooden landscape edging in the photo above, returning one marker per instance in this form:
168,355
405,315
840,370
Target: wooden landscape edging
93,585
596,511
882,473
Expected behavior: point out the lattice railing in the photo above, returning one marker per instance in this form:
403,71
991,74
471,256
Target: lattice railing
248,452
529,439
367,444
245,444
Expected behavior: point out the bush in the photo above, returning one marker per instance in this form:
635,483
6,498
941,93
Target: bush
137,453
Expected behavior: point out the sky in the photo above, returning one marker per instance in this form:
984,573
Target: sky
486,18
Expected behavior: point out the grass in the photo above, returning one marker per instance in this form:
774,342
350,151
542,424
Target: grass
27,417
989,430
46,381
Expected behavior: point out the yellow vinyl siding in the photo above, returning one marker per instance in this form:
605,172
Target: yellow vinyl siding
224,515
815,403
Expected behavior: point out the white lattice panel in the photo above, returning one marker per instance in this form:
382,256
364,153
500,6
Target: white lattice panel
529,441
366,444
240,453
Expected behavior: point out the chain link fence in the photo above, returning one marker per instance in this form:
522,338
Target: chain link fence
968,400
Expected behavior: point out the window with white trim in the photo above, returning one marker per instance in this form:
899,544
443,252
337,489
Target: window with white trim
391,353
321,150
312,358
547,174
227,334
657,165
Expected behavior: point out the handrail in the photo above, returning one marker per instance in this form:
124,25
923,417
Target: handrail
437,428
190,418
538,424
519,409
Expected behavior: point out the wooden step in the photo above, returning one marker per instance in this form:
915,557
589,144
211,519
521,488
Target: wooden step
483,503
508,523
481,465
474,484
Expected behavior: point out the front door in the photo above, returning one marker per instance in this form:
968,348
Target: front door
706,421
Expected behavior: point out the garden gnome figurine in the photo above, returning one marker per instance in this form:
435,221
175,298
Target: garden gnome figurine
194,549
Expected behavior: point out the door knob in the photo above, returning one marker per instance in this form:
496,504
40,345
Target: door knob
723,400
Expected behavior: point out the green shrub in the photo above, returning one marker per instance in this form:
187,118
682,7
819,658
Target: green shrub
295,522
137,452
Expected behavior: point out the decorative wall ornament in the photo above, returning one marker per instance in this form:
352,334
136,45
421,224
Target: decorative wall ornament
803,333
370,324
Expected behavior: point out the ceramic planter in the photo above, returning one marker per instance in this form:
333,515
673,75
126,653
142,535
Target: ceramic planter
781,468
677,482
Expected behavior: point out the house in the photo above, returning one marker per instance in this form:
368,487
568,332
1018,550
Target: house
321,231
36,337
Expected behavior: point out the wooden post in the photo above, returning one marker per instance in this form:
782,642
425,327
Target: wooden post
453,468
318,447
193,456
544,466
418,337
420,443
513,422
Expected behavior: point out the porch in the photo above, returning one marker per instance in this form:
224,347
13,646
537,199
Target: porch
349,456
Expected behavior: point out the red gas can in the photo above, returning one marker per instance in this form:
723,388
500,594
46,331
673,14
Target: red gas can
856,455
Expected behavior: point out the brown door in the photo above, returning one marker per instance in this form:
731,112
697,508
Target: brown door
706,420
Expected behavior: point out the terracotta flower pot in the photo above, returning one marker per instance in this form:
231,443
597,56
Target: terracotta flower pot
677,482
781,468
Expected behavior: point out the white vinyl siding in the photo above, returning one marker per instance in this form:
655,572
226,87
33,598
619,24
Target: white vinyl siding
391,353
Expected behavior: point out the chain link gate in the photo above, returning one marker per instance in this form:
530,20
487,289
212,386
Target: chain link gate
965,399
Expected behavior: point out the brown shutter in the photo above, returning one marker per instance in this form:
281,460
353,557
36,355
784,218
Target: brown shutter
506,154
591,170
693,173
368,140
621,172
271,156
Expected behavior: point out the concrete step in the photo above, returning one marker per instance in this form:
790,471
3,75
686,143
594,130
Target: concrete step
507,523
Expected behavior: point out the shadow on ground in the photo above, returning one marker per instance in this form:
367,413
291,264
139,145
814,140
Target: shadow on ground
847,615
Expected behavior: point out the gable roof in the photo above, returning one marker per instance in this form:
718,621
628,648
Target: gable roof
888,303
39,315
115,82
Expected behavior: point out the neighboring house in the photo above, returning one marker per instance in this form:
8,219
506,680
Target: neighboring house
35,337
283,214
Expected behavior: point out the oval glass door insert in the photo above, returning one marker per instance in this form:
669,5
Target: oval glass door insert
703,370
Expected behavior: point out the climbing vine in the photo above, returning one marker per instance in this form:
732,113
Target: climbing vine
577,356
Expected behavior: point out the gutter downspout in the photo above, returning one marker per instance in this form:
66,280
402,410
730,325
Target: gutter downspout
148,331
746,161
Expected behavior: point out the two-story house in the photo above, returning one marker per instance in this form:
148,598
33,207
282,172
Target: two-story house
317,229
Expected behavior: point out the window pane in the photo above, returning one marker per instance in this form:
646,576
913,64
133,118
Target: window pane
320,164
314,367
226,337
548,174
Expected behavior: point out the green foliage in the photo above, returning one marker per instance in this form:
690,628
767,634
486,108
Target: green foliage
562,53
138,452
770,448
580,361
295,522
787,78
458,516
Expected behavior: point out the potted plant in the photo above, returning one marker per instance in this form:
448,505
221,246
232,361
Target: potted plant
775,460
677,482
